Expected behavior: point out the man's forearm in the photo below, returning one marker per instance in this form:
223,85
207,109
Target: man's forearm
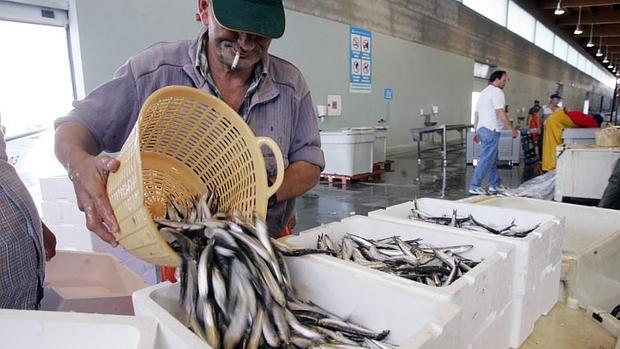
73,141
501,114
299,177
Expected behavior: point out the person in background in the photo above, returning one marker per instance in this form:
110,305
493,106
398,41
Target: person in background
550,108
25,242
489,118
555,125
611,195
535,108
229,59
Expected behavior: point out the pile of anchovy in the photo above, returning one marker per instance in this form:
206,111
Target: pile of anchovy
410,259
470,223
235,287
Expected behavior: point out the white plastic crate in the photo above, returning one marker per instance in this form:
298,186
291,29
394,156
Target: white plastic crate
479,292
362,297
348,152
533,254
583,171
380,144
26,329
89,283
579,135
589,250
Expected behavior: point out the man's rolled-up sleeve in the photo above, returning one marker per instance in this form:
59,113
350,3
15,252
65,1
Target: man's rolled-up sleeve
306,145
109,111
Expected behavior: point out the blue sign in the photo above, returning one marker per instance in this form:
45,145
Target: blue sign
388,93
360,60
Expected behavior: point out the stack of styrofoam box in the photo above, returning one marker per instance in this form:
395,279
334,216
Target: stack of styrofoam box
536,255
364,298
28,329
89,283
61,214
589,250
483,294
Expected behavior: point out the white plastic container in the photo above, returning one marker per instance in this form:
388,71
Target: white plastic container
533,254
583,171
589,251
25,329
348,152
579,135
380,145
89,283
361,297
479,293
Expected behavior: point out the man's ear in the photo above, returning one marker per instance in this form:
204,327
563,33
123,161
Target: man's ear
203,12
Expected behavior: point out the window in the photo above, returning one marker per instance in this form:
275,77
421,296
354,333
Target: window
482,70
560,48
582,63
492,9
544,37
521,22
572,56
474,102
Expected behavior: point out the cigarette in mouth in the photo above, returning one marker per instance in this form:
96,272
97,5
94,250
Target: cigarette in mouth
235,61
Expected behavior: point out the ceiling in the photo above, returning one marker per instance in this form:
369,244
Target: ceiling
602,16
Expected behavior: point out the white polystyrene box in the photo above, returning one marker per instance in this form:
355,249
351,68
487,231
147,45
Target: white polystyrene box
57,188
533,254
62,212
479,292
348,152
354,294
549,289
26,329
496,333
89,283
380,144
589,249
74,238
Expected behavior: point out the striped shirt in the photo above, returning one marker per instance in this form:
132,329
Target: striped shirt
280,107
22,262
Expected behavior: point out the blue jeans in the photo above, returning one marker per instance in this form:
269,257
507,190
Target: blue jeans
487,164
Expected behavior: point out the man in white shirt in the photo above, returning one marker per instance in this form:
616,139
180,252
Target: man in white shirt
489,118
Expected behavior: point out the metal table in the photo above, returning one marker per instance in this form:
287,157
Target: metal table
417,133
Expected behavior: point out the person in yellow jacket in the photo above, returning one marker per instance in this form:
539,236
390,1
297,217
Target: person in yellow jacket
555,125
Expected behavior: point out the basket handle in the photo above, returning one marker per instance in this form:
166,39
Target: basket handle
277,154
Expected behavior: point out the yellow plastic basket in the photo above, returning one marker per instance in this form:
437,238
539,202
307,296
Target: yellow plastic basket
184,143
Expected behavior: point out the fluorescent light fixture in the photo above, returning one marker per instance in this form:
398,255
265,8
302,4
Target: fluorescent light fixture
598,52
590,43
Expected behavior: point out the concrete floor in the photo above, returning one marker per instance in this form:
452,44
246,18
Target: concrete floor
408,180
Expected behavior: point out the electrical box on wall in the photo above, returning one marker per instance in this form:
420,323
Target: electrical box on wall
334,105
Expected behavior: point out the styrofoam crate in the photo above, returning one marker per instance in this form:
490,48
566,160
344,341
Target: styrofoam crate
479,292
550,288
25,329
589,248
354,294
348,153
579,135
74,238
496,333
89,283
380,144
532,254
62,212
57,188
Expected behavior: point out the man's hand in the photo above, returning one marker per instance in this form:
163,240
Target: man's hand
514,131
476,138
49,242
89,176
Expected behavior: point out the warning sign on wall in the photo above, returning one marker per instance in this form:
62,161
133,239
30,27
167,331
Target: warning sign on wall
360,60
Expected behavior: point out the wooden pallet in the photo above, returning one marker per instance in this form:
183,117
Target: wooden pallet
345,179
383,165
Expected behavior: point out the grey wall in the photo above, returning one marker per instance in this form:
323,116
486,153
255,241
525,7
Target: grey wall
106,33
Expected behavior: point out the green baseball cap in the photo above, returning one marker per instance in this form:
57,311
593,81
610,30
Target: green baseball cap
261,17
